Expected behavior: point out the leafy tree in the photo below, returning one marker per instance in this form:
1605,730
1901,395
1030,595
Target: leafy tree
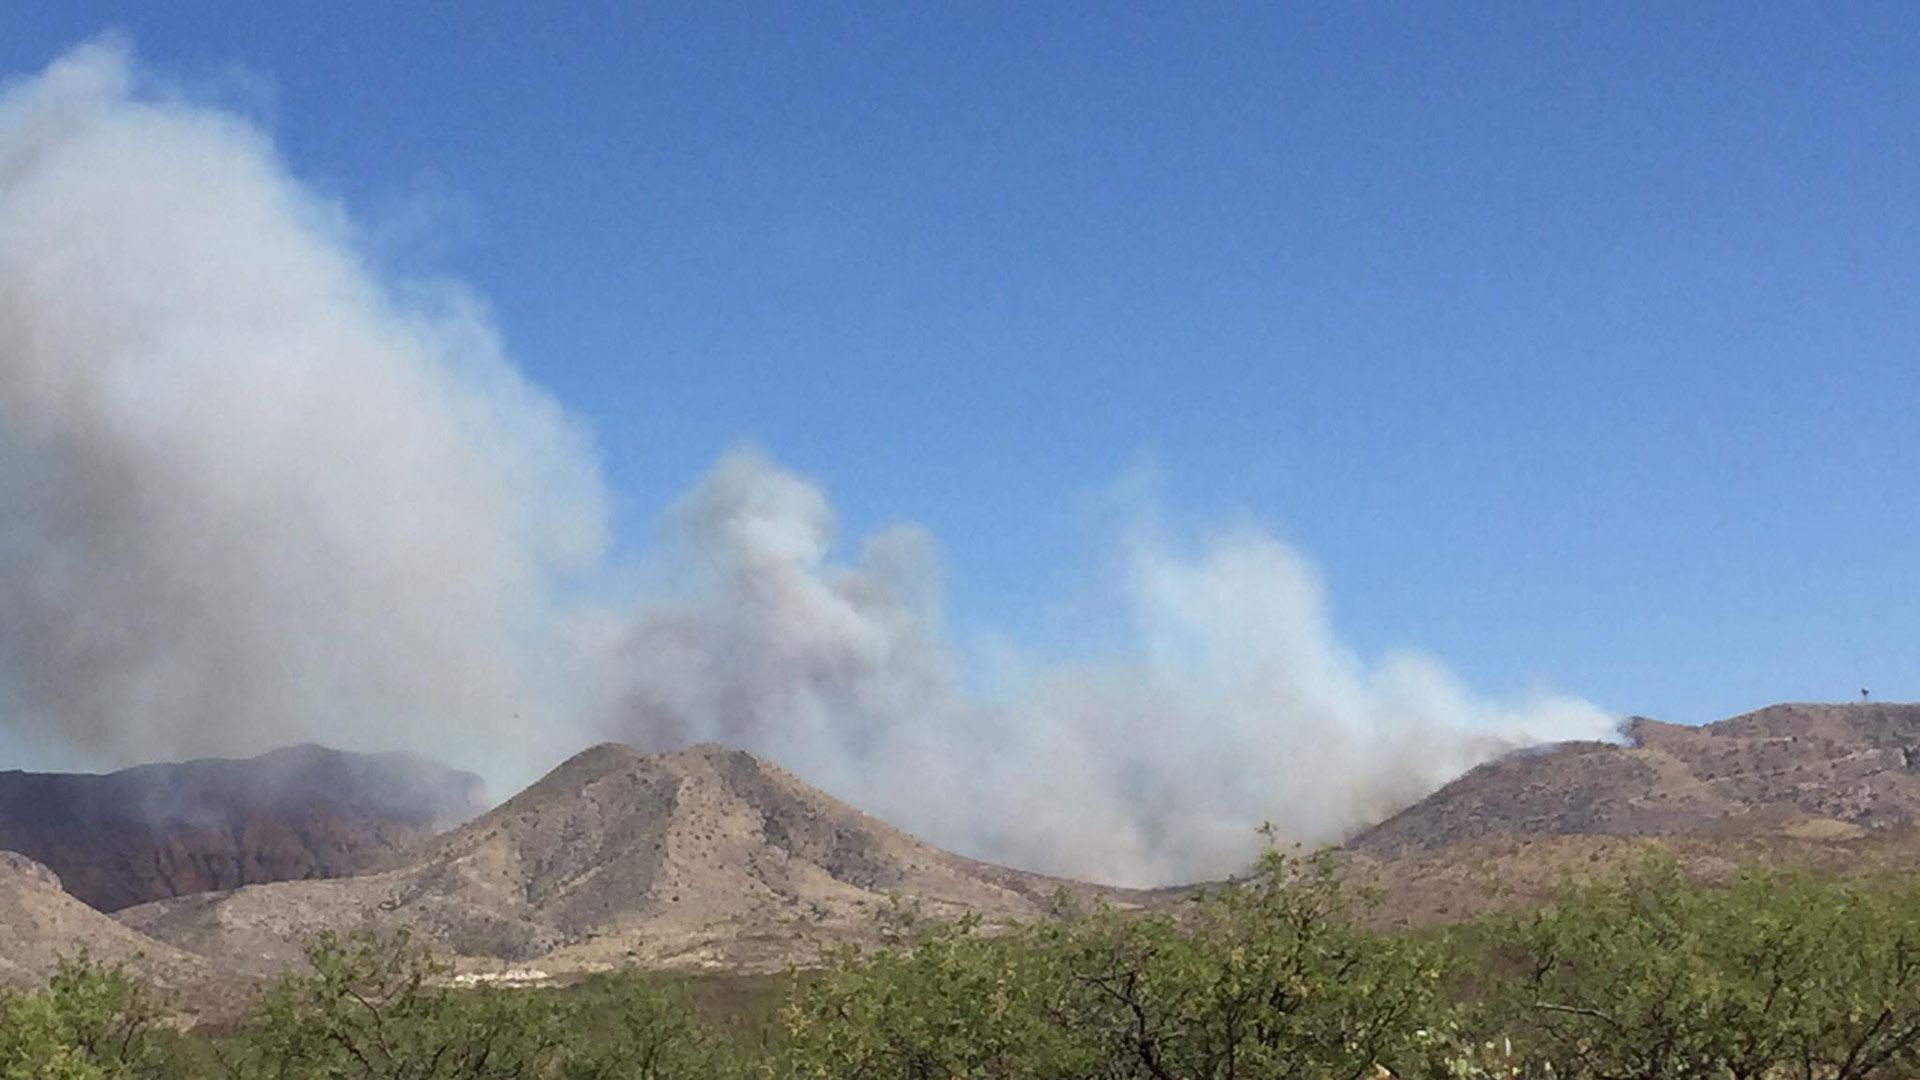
1271,977
374,1006
946,1001
1652,976
1648,976
92,1021
627,1026
378,1007
1849,977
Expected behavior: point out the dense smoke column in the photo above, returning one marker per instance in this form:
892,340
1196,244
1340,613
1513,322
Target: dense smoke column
254,493
1237,705
246,497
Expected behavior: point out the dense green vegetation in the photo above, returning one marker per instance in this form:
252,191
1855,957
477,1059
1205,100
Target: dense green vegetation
1647,975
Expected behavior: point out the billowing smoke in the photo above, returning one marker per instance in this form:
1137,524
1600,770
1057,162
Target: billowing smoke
253,492
1237,704
248,495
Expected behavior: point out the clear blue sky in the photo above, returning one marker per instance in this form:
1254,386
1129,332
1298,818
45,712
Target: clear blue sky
1576,344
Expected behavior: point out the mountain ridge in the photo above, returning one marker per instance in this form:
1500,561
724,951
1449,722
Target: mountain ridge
1786,766
699,857
1830,788
155,831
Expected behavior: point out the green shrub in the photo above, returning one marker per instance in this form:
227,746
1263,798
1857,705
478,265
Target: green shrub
1272,977
378,1007
1655,976
950,1001
1649,976
92,1022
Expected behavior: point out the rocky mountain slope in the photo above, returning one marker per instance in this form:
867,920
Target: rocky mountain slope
158,831
1833,787
708,857
700,857
1825,769
40,922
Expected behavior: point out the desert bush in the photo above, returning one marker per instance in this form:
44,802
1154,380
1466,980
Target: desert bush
1274,976
947,1001
93,1021
372,1006
377,1007
1270,977
1654,976
1770,975
630,1026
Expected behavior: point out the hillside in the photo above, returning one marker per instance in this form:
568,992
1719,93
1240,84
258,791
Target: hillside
1829,770
696,858
39,923
158,831
1832,787
709,857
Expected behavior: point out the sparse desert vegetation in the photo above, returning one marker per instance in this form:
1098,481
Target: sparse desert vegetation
1646,974
1589,943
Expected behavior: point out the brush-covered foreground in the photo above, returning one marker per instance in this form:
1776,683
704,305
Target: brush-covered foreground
1645,975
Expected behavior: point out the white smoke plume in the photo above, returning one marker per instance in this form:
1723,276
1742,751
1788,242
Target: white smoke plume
247,495
254,493
1238,704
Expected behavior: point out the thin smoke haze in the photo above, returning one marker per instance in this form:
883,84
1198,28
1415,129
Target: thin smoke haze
254,492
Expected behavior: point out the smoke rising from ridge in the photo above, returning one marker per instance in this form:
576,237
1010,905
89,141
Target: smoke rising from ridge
252,493
1238,704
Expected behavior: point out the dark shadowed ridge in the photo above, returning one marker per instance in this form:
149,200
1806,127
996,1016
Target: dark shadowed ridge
157,831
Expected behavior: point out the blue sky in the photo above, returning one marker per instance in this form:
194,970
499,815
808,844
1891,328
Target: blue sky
1576,346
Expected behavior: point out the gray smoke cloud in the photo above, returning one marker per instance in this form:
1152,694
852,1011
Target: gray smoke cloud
253,492
250,495
1236,703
